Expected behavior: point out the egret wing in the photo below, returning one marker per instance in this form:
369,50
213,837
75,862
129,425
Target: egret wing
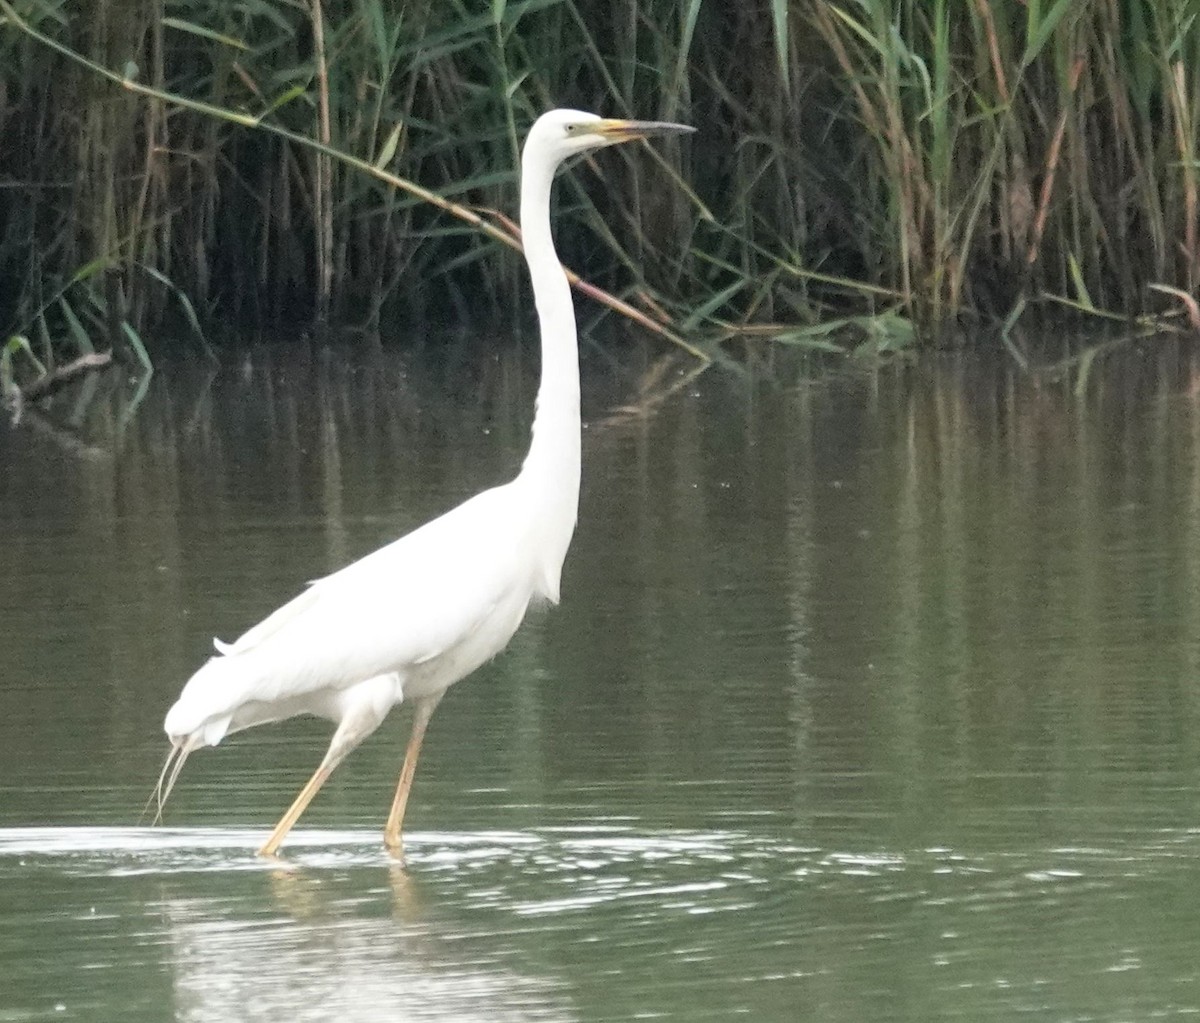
402,606
275,621
428,550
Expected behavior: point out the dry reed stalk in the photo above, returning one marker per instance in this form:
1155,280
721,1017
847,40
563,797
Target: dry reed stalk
1185,142
1051,170
989,27
323,170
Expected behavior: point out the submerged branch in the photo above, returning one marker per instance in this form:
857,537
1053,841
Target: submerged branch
58,378
66,437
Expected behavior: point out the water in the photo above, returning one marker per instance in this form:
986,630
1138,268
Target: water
871,696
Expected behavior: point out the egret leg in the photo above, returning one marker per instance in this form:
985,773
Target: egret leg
361,719
421,715
288,820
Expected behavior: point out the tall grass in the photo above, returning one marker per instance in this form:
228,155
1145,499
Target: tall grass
1025,148
899,166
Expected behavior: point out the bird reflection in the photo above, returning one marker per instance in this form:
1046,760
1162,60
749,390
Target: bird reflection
310,947
304,894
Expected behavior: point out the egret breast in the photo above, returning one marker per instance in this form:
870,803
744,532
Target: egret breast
437,674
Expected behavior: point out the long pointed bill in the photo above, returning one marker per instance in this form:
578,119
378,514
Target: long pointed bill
614,130
166,778
157,792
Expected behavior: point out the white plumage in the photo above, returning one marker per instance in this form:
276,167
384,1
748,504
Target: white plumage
409,620
369,620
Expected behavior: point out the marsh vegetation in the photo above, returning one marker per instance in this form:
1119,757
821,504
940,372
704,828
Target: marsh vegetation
879,172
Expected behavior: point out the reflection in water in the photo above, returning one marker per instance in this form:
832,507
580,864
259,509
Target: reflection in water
605,923
327,959
875,697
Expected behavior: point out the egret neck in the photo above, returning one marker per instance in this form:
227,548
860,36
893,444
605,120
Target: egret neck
552,467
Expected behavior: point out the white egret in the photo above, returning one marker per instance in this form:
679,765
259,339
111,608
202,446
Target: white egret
411,619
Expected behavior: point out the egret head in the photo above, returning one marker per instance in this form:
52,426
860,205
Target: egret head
559,134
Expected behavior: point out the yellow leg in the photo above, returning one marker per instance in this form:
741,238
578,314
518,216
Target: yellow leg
296,809
421,715
364,706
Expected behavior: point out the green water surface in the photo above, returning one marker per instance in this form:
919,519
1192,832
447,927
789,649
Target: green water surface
872,696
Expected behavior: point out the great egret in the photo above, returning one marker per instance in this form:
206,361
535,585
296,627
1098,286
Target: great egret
411,619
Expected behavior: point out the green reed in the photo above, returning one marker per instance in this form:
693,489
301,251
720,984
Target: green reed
1025,149
878,171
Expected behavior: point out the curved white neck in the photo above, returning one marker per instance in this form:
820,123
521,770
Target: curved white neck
551,469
